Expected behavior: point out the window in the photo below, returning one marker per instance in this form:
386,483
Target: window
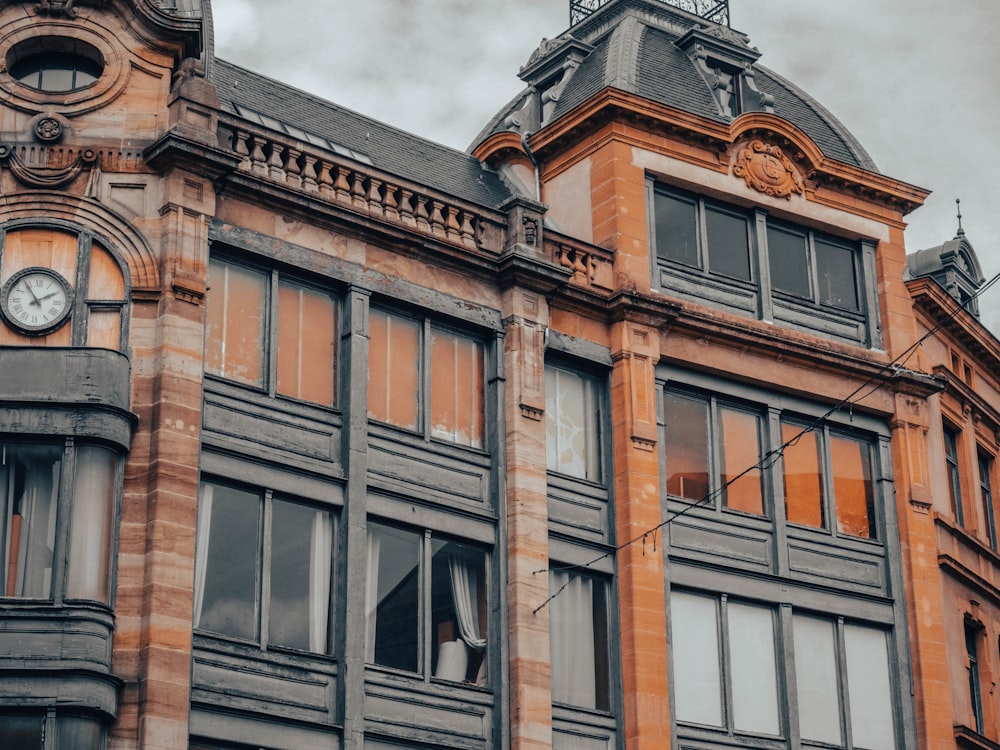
734,687
36,499
425,379
750,263
730,674
573,423
954,475
427,604
840,665
972,634
727,87
986,493
713,447
42,731
702,234
578,636
55,64
98,313
828,475
239,338
264,568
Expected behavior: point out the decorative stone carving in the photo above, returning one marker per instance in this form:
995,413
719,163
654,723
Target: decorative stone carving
36,171
57,7
48,130
766,169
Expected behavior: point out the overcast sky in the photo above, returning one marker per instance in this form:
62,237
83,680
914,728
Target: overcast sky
916,81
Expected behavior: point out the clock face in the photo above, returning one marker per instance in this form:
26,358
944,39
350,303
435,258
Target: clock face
36,300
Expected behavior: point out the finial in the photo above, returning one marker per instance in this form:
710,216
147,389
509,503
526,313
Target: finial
958,208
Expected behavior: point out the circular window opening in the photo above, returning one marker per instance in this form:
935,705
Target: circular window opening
55,64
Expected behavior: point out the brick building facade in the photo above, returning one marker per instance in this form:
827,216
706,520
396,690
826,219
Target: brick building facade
613,432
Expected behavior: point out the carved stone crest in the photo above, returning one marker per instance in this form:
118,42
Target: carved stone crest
766,169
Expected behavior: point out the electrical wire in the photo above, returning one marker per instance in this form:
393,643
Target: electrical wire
771,457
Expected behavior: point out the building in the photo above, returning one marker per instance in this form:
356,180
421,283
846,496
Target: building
606,434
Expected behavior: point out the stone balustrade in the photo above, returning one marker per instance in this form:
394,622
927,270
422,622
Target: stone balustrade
592,266
343,181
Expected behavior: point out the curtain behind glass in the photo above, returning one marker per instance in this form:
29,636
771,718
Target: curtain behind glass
572,639
30,487
90,544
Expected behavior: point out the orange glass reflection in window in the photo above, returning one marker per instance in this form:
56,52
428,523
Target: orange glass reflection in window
803,484
853,494
306,344
104,327
456,389
235,323
393,369
686,447
40,247
740,452
105,281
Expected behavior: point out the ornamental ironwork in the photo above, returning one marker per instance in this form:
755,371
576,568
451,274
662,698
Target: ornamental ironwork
716,11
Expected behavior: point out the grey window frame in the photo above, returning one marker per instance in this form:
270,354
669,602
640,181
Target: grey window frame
756,298
987,462
273,277
952,441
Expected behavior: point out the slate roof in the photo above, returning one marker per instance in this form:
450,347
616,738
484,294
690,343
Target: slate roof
662,72
390,149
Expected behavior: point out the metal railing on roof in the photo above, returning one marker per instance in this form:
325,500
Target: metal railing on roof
716,11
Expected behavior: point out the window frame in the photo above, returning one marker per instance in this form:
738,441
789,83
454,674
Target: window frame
65,525
952,437
263,604
757,296
426,539
426,327
826,433
274,277
786,672
974,633
596,437
715,453
986,462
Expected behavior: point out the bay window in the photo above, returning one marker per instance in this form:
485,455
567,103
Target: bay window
578,636
427,604
45,487
572,423
264,567
425,379
271,332
748,262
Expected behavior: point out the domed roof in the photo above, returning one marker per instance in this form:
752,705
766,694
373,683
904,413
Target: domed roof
671,57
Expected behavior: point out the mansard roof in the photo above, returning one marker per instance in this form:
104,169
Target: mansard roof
387,148
652,50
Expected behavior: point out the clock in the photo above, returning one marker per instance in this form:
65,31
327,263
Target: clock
36,300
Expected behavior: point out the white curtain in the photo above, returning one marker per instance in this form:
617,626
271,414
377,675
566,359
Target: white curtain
466,612
206,495
92,521
371,594
319,580
38,530
571,634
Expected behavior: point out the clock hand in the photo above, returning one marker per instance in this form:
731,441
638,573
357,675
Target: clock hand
37,302
42,299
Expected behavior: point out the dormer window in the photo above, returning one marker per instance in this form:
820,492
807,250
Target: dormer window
55,65
727,88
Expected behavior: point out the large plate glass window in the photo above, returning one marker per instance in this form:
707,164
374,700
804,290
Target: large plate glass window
578,634
572,423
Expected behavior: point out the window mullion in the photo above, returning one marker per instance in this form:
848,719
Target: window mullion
81,319
271,336
263,586
724,670
786,676
813,265
424,397
60,546
759,252
842,687
702,233
424,615
715,450
829,501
